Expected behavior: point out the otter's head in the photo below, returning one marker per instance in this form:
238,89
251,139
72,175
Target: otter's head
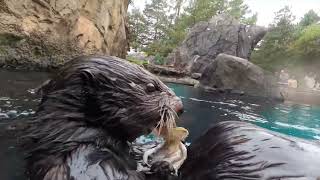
112,94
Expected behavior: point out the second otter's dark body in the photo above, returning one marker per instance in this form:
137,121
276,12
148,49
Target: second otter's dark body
239,150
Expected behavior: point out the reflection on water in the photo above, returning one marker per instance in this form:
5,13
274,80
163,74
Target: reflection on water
17,101
16,92
204,109
293,119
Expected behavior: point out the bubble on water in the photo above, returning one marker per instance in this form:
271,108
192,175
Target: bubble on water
32,91
24,113
247,108
4,98
3,116
147,139
12,113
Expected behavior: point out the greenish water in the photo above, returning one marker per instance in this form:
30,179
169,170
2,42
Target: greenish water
203,109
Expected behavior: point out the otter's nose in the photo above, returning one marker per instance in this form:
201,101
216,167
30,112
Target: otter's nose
178,107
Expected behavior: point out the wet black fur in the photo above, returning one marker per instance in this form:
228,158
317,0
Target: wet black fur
94,102
239,150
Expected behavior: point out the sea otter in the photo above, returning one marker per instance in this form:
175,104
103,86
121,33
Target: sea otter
239,150
88,112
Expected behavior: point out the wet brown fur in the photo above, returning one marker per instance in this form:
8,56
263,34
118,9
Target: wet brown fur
98,104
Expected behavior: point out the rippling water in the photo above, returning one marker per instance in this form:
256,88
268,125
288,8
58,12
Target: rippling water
204,109
17,102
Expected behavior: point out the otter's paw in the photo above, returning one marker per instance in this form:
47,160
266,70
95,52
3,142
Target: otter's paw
162,168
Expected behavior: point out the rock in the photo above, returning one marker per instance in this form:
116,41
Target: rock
208,89
12,113
184,80
196,75
206,40
163,70
239,75
47,33
238,92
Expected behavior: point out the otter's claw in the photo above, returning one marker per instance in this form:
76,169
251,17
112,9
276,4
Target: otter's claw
163,168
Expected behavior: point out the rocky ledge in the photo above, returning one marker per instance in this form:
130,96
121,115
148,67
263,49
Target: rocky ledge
39,34
164,70
172,75
183,80
234,74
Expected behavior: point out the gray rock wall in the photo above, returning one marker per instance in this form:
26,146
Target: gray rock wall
206,40
233,73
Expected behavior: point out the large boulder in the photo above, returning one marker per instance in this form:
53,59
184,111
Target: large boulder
222,34
46,33
228,72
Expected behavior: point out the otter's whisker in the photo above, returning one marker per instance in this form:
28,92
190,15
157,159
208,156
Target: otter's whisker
161,122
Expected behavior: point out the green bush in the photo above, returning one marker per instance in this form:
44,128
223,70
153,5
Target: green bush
161,48
136,61
160,60
307,45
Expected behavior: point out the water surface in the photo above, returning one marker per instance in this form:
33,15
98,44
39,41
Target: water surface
202,109
17,101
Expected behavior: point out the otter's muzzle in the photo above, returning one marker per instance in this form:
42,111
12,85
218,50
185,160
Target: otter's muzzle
178,106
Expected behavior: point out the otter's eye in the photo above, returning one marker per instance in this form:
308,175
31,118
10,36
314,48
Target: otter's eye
151,87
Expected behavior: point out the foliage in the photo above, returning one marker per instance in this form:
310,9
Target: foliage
203,10
289,45
178,4
159,59
251,20
138,29
160,47
307,45
237,9
157,20
309,18
162,27
273,49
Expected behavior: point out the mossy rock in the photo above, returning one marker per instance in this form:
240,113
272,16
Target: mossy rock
7,39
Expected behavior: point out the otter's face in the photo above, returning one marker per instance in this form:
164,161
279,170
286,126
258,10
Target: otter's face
120,97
